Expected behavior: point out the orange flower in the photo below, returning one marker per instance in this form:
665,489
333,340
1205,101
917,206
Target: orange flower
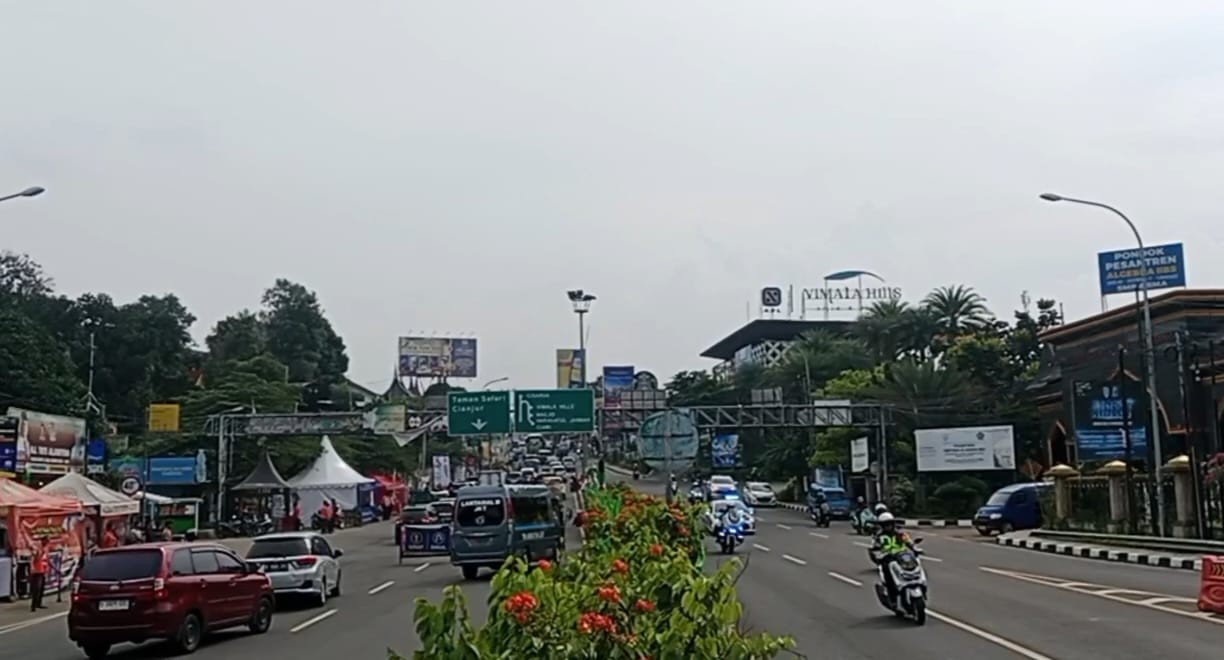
619,566
545,565
610,593
591,621
682,531
656,550
643,605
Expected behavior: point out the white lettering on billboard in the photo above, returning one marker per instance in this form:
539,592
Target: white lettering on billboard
965,449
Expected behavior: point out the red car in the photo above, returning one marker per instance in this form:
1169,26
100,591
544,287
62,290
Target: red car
176,592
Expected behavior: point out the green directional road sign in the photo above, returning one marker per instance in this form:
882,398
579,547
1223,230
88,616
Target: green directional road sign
554,411
478,413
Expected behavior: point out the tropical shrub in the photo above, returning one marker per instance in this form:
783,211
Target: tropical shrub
635,590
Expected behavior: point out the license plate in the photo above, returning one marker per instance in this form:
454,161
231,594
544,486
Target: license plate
114,605
533,536
275,568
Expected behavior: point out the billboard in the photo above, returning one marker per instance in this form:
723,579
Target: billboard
725,450
569,368
1098,419
387,418
965,448
164,417
441,473
437,357
615,381
859,456
172,470
49,444
8,447
1122,271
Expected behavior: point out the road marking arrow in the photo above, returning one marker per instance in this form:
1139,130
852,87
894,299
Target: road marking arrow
479,424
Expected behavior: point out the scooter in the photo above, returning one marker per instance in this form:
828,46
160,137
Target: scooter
730,534
907,573
864,522
820,514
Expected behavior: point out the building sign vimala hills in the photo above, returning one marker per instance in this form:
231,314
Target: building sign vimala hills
842,291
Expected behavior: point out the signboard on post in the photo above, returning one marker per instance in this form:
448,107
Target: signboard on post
615,381
1122,271
164,417
859,461
554,411
725,450
965,448
8,447
437,357
1099,420
569,368
49,444
478,413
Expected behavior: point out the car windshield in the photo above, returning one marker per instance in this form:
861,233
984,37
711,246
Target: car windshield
1000,497
123,565
483,512
287,547
444,508
415,514
531,508
760,487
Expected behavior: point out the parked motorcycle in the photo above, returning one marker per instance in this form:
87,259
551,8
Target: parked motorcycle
907,573
730,533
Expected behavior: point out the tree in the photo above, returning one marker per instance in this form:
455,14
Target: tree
815,358
22,278
883,328
957,309
238,337
299,335
35,372
695,388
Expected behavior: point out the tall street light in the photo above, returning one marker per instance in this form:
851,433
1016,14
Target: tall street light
1149,349
495,381
33,191
581,300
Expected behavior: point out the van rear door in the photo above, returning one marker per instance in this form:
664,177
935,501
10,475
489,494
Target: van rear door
480,529
118,587
536,531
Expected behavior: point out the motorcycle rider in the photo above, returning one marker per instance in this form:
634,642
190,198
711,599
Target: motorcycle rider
891,542
818,504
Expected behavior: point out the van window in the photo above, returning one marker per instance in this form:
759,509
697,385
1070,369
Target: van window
1000,497
531,509
125,565
180,564
482,512
227,564
205,562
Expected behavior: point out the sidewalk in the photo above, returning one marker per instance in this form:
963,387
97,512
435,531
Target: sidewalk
905,522
1087,551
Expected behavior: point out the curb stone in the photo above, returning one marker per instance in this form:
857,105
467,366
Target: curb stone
1141,557
907,522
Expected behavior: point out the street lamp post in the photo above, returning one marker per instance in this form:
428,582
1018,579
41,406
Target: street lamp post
581,300
495,381
32,191
1149,349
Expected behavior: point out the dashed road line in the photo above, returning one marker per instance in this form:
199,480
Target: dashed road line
842,578
382,587
313,620
760,547
794,560
930,558
422,567
1023,651
818,535
862,545
781,526
21,625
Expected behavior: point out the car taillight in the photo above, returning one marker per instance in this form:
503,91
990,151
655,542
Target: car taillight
159,587
306,562
77,596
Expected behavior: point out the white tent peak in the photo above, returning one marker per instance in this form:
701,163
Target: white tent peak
92,494
328,471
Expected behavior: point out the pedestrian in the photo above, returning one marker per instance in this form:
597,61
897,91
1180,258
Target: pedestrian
167,533
109,538
297,513
40,565
337,512
325,515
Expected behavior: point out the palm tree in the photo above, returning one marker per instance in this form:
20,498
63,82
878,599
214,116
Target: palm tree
882,328
957,309
925,388
814,358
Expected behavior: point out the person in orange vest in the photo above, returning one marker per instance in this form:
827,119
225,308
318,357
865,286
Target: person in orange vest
297,514
40,565
110,539
325,516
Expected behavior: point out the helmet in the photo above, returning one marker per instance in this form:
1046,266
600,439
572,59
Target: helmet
881,508
887,521
860,499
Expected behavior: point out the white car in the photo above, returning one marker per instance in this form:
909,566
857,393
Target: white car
759,493
298,563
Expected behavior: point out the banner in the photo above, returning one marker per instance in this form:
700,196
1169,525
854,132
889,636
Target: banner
95,456
172,470
437,357
967,448
441,475
615,381
569,368
1098,415
164,417
8,447
1122,271
387,418
725,450
49,444
859,455
300,424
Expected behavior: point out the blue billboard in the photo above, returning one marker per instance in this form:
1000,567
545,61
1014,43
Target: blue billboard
1100,420
725,450
1122,271
172,470
615,381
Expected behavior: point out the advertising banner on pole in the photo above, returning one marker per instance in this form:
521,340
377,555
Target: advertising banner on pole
725,450
437,357
859,457
1099,420
569,368
966,448
615,381
441,474
1122,271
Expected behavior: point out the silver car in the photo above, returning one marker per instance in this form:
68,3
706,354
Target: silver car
759,493
299,564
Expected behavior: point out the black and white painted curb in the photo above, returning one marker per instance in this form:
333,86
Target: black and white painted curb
906,522
1143,557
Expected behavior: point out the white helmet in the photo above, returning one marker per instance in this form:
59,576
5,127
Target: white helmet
886,517
881,508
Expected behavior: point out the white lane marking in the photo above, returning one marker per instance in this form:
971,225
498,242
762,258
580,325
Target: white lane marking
818,535
989,636
848,580
311,621
14,627
794,560
1155,601
420,568
382,587
760,547
862,545
781,526
930,558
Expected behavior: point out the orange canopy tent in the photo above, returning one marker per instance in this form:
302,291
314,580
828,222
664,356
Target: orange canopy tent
33,516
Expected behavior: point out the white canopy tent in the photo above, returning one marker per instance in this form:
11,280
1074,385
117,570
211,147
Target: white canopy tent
328,478
93,495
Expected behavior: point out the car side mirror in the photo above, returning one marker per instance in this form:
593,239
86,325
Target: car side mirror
337,553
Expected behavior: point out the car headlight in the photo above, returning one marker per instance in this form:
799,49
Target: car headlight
996,516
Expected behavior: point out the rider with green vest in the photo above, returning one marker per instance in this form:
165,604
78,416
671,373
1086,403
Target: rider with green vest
891,542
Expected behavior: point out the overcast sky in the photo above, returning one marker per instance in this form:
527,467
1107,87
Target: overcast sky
454,167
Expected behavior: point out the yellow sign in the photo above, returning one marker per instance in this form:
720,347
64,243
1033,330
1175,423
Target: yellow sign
569,368
164,417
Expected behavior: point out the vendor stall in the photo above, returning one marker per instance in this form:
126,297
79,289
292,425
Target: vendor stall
33,519
330,478
269,492
101,505
183,513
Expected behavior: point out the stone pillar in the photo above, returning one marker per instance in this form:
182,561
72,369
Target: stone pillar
1116,471
1186,524
1062,491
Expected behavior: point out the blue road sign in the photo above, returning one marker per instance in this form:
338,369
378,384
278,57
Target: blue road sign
1122,271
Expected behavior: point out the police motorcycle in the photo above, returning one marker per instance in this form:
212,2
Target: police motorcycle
903,569
864,520
819,510
729,530
696,493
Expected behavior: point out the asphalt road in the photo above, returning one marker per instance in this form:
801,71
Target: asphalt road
987,601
